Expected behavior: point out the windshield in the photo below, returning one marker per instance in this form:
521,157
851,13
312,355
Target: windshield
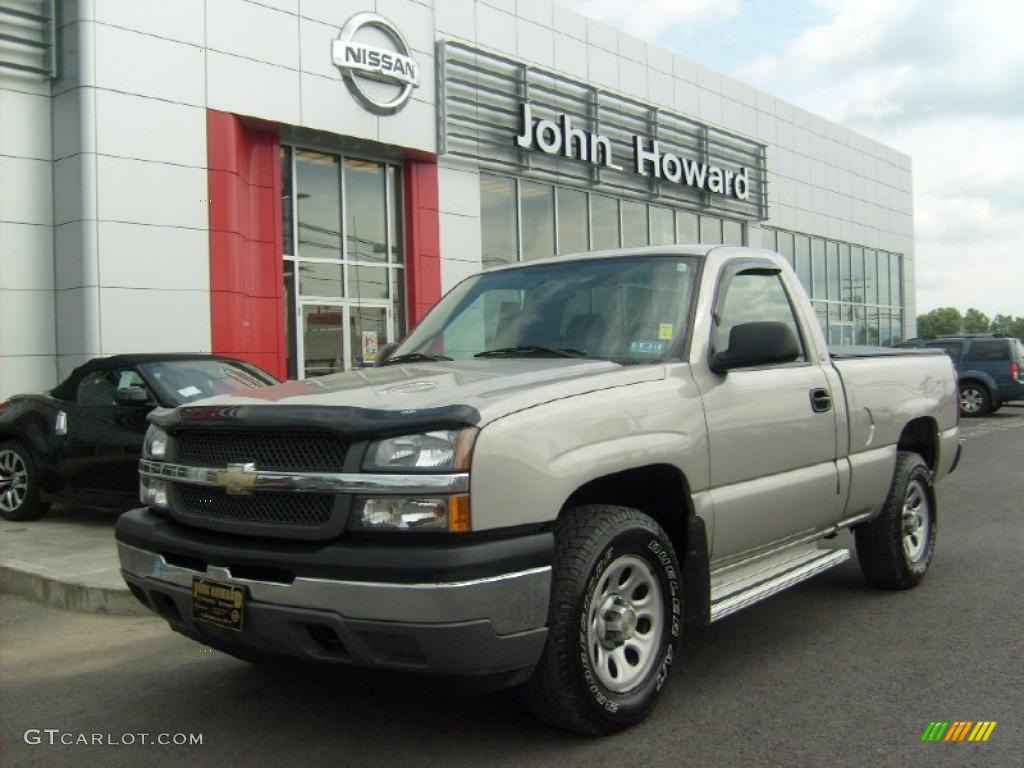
182,381
626,309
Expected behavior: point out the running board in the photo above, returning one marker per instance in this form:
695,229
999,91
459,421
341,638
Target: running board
751,581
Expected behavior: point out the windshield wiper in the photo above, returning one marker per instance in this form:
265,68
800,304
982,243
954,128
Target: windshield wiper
414,357
527,350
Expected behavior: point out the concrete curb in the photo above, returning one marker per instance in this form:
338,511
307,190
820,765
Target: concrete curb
68,595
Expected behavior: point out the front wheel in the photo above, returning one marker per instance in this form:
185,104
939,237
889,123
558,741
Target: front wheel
19,484
896,547
614,623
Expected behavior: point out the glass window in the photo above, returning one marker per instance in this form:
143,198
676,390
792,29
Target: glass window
687,227
732,232
818,289
634,224
883,278
322,339
984,351
662,226
884,329
500,242
319,203
367,330
289,317
604,221
366,215
398,302
321,278
895,279
769,239
897,326
834,328
538,219
865,323
752,298
573,225
857,273
287,221
870,276
710,229
832,257
98,388
821,312
951,348
368,282
395,220
786,246
845,289
802,260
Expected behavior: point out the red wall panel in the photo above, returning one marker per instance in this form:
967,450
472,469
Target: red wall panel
246,268
423,238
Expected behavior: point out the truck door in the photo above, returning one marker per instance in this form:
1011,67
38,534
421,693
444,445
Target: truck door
772,433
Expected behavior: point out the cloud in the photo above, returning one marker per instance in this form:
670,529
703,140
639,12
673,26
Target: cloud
655,18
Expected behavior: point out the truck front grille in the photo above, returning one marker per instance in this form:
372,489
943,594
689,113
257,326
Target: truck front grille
293,509
295,452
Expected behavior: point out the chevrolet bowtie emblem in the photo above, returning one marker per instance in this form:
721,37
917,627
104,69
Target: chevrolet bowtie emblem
237,479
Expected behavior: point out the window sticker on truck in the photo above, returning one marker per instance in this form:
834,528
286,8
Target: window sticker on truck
642,347
665,331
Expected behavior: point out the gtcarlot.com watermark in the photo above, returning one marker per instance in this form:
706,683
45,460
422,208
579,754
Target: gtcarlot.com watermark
55,737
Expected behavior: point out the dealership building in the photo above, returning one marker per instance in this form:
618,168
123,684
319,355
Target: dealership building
296,182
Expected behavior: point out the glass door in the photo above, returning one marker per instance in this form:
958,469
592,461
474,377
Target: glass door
323,345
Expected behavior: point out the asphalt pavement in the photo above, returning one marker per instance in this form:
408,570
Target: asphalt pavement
830,673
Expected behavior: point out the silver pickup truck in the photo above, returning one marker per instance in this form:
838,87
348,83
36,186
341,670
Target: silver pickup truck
562,465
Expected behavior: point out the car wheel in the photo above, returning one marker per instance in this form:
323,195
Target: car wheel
974,399
614,624
19,484
896,547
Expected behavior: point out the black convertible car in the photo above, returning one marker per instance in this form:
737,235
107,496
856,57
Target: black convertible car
80,443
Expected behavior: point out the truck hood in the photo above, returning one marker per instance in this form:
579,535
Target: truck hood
492,388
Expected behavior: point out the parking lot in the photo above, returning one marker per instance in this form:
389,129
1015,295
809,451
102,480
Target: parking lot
829,673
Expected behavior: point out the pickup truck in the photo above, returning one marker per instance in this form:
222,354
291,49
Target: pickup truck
565,462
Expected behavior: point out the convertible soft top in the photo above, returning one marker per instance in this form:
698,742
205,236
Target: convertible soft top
67,388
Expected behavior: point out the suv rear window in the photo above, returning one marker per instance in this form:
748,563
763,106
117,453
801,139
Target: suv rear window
982,351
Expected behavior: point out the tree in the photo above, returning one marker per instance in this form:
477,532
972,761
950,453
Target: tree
943,321
976,321
1008,324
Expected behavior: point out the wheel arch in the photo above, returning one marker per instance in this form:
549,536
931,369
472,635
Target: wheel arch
983,379
921,436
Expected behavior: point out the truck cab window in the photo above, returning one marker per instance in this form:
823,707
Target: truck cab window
755,297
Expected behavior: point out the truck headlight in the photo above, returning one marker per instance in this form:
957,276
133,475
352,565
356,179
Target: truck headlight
447,449
154,446
411,513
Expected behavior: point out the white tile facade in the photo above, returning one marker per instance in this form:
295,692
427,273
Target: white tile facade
103,179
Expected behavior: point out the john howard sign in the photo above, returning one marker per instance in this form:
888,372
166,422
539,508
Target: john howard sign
560,137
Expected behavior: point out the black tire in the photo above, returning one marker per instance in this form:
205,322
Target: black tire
890,556
25,505
566,689
974,399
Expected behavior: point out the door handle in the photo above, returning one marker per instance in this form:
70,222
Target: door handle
821,400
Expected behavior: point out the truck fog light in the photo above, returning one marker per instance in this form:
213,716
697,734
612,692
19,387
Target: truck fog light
153,492
412,513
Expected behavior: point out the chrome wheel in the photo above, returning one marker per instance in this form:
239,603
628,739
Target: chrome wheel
971,400
13,481
916,521
626,623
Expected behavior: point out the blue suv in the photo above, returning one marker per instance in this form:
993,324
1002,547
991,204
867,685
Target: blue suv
990,367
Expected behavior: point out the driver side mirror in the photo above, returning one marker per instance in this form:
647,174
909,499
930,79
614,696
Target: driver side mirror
385,351
132,396
760,343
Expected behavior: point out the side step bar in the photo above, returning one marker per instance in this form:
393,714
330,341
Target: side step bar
742,585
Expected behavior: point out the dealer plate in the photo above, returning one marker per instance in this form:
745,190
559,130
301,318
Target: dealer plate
220,604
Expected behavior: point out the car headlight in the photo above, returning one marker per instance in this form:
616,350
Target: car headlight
411,513
447,449
154,446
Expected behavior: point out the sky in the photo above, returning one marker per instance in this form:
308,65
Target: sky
941,80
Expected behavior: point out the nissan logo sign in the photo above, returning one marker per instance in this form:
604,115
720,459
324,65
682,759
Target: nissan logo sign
380,78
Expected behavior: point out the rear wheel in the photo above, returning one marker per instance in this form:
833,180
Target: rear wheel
615,621
974,399
896,547
19,484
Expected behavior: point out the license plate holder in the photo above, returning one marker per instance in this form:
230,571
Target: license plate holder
222,605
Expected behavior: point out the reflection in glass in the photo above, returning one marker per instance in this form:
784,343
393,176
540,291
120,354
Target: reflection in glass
500,243
367,331
289,318
818,289
860,327
896,330
662,226
821,312
832,257
769,239
319,204
710,229
572,221
802,260
634,224
872,320
895,282
398,302
857,273
320,278
687,227
604,221
322,339
366,215
870,277
368,282
395,219
287,220
845,289
732,232
834,330
537,208
883,278
786,246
